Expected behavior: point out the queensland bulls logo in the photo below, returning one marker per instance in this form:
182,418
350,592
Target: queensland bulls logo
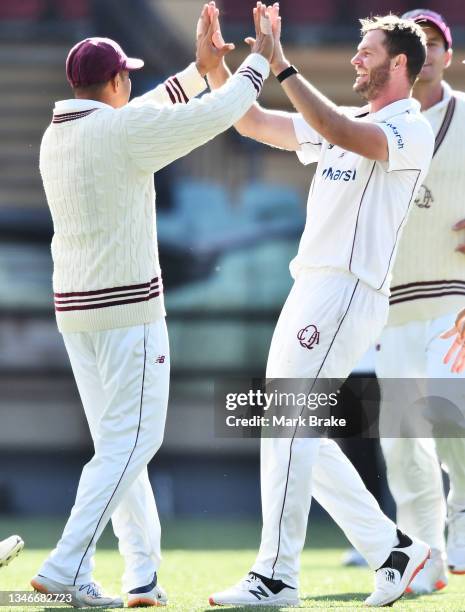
424,198
309,336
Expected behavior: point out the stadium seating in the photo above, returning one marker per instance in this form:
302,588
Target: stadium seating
265,201
38,9
453,11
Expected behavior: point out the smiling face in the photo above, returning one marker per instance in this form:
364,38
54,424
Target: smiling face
437,57
372,64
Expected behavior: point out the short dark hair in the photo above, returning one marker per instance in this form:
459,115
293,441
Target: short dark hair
401,36
90,91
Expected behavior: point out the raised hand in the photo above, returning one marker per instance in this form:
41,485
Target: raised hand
278,61
263,42
457,347
209,54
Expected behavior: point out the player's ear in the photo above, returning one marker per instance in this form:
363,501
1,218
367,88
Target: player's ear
399,61
448,60
115,82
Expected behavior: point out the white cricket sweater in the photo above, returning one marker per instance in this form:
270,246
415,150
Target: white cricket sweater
97,166
429,276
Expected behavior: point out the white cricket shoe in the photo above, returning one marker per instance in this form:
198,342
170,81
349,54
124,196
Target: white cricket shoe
9,549
352,558
407,558
257,590
148,595
82,595
456,543
432,577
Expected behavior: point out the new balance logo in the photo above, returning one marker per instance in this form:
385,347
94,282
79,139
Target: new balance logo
160,359
259,593
390,576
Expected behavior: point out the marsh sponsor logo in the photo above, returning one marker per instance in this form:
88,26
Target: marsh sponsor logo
334,174
395,131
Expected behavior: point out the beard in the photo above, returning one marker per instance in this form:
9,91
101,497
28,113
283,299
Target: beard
378,78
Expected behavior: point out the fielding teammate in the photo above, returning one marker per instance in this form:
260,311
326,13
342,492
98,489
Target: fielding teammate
97,161
371,163
427,290
9,549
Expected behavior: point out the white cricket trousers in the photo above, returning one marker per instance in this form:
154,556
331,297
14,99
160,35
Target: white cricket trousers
414,350
349,316
123,380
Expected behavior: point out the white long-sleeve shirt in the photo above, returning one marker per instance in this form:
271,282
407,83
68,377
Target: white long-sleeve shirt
97,164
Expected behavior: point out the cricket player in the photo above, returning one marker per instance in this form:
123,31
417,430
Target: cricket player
9,549
427,290
97,161
371,163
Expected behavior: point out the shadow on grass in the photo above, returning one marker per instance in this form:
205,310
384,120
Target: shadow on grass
336,597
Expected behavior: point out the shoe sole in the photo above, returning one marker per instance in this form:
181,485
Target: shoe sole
438,586
275,603
37,586
456,572
14,552
144,602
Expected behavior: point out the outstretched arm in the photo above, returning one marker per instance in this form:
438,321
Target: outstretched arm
274,128
181,87
156,136
323,115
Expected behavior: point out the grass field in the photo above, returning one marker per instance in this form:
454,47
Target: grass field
204,556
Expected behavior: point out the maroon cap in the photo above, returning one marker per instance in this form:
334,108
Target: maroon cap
426,16
97,60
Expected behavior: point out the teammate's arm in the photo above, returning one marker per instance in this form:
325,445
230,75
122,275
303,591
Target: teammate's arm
190,82
323,115
273,128
157,136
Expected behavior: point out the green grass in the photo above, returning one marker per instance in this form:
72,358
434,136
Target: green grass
204,556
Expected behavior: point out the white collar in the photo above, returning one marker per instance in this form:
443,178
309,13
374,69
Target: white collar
76,105
396,108
446,96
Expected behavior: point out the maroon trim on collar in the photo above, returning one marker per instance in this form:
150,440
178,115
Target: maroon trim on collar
63,117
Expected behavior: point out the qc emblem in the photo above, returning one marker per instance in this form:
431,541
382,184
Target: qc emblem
309,336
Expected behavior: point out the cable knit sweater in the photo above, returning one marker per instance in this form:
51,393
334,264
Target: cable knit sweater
97,163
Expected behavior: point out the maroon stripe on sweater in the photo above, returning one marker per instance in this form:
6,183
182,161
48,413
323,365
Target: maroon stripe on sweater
427,284
183,93
168,89
107,299
104,291
108,305
174,90
425,296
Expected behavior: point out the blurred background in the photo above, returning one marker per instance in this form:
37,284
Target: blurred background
229,218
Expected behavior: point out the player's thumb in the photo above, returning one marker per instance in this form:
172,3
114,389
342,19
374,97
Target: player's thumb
225,49
250,41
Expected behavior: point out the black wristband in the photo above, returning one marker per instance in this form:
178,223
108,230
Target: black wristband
287,72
